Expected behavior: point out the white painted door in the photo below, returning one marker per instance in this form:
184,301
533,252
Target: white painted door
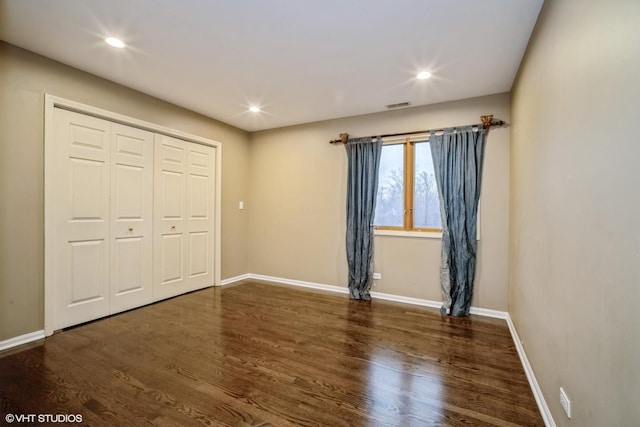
130,215
103,184
200,215
81,218
131,247
183,216
169,217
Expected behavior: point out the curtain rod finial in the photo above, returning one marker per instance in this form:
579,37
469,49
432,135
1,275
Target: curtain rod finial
344,137
486,121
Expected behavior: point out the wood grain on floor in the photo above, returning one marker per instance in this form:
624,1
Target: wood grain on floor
259,354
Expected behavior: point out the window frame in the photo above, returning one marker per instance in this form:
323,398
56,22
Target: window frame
408,229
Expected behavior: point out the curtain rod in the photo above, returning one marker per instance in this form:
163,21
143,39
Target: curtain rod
487,122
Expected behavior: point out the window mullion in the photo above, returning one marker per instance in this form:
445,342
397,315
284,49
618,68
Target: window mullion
408,184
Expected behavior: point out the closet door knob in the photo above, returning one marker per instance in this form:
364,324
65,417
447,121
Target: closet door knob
173,227
130,228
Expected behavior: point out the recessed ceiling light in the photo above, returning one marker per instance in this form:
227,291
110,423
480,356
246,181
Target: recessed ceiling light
254,109
423,75
114,42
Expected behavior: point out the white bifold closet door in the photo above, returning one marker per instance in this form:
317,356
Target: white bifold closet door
183,221
102,221
131,217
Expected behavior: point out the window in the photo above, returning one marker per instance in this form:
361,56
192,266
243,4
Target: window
407,193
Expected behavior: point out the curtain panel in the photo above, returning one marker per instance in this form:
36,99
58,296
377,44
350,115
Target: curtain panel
457,159
363,156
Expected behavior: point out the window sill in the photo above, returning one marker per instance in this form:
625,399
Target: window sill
414,234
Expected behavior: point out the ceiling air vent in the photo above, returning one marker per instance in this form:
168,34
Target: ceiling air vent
398,105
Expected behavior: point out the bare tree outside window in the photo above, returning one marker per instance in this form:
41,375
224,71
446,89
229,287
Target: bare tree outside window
390,199
393,190
426,205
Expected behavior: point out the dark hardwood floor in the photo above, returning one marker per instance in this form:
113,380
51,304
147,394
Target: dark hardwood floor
263,354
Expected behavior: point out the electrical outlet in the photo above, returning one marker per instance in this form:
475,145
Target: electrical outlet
377,276
565,402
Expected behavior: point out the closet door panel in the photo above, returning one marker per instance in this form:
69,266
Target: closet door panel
201,193
86,268
87,205
172,193
172,259
169,217
198,197
199,254
80,259
128,261
184,217
131,246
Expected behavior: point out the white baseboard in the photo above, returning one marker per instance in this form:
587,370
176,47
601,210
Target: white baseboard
231,280
406,300
380,295
533,382
312,285
22,339
487,312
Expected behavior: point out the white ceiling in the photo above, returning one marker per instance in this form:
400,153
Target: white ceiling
299,60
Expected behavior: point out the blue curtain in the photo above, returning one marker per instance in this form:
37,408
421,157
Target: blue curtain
457,160
363,156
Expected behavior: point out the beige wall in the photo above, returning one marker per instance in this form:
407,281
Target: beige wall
293,224
574,282
24,79
298,191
